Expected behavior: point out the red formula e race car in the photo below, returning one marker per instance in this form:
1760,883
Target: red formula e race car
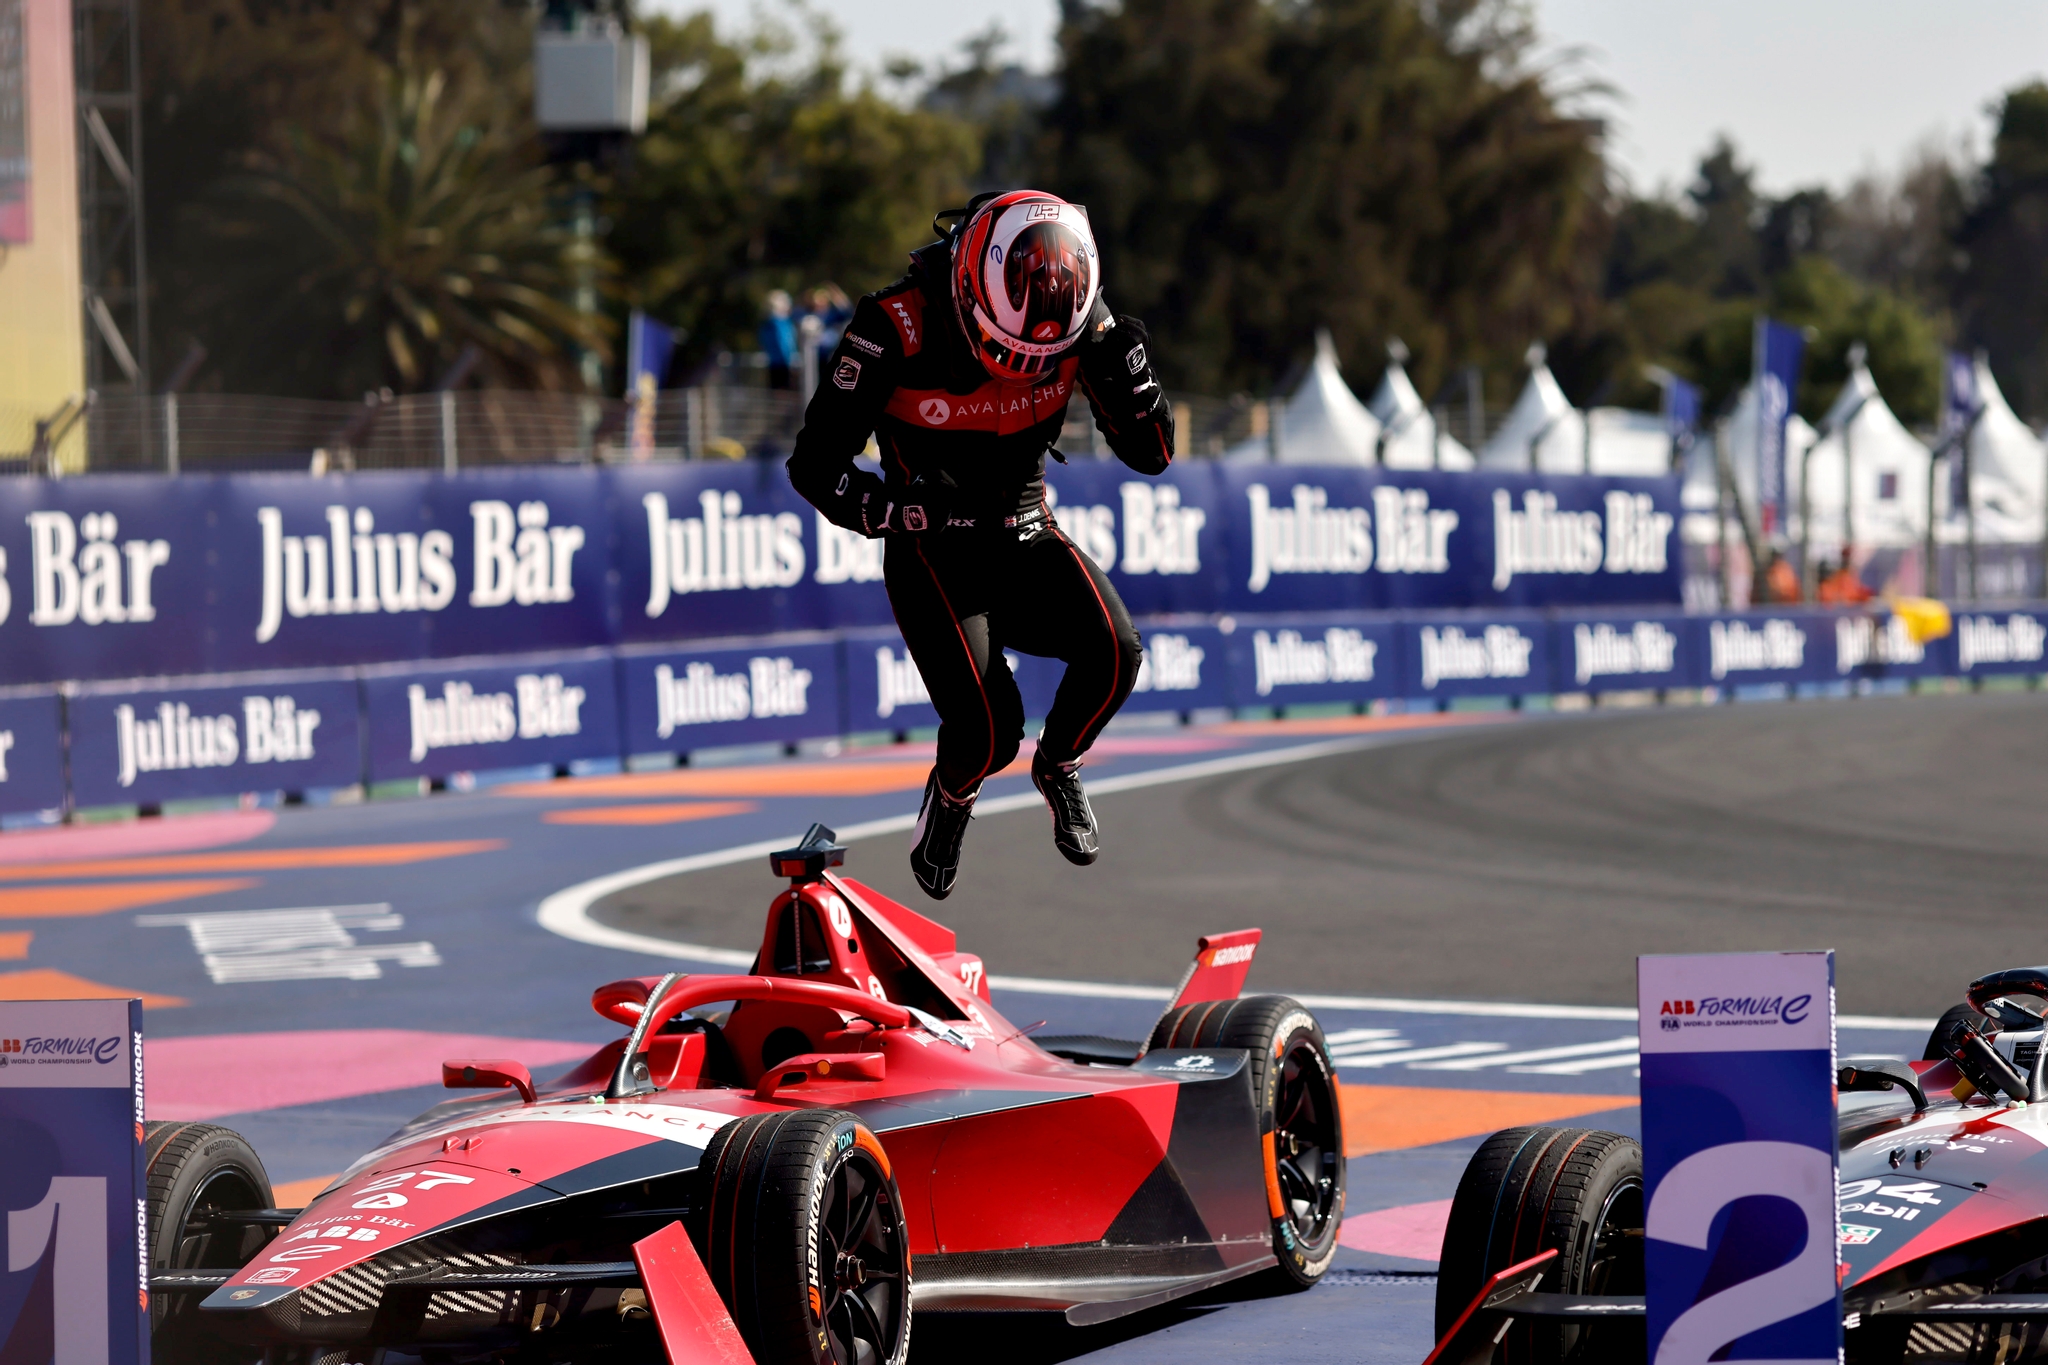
1943,1207
782,1165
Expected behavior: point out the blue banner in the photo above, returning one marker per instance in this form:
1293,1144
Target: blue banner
1779,351
1751,648
1613,652
1739,1156
1363,539
884,690
1186,668
2000,642
137,576
1474,655
31,753
431,722
73,1206
148,745
1289,661
758,692
1876,644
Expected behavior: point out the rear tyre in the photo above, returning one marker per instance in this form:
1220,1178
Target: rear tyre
1527,1190
193,1170
1301,1132
801,1229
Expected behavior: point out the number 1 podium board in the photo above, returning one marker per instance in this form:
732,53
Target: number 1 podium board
71,1188
1739,1157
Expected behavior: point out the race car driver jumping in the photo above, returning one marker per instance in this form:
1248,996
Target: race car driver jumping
962,371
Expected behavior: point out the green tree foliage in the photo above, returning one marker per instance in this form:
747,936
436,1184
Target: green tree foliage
1686,280
350,193
763,168
2002,296
1256,169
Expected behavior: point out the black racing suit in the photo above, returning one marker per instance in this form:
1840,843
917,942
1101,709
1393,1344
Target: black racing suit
975,562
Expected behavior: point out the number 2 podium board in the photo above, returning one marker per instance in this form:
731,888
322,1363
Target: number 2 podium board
1739,1157
71,1187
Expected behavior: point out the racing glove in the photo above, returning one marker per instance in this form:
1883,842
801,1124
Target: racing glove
923,507
1130,408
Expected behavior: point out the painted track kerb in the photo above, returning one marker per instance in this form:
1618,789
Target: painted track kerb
567,912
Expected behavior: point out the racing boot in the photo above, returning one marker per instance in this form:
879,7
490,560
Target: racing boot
1073,821
935,846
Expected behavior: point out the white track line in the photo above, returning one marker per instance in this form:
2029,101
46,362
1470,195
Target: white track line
567,912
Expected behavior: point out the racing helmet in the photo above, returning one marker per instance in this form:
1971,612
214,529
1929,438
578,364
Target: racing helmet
1025,279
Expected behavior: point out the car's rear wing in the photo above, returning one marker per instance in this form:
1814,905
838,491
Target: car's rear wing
1222,961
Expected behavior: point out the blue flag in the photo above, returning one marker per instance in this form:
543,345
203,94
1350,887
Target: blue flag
1681,413
1962,404
649,345
648,348
1778,351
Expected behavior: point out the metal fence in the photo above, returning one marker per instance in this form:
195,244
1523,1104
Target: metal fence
206,432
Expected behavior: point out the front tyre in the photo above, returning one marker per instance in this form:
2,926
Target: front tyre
1527,1190
801,1229
194,1170
1301,1132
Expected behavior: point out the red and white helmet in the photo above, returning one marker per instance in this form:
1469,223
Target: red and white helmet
1025,279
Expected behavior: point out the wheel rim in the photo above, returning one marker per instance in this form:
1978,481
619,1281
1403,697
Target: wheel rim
1305,1154
201,1244
863,1262
1616,1263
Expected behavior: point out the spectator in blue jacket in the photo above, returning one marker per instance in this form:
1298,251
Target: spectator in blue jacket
778,339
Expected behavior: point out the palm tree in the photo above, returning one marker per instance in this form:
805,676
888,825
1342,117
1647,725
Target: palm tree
421,223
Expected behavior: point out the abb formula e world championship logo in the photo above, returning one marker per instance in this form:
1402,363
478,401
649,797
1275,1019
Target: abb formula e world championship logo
1740,1011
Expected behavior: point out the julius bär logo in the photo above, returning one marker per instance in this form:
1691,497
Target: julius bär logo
935,411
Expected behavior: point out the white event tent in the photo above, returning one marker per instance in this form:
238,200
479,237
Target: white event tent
1542,432
1322,422
2008,474
1865,449
1409,437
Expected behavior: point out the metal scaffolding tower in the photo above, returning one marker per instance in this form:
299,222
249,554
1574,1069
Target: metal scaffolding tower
107,53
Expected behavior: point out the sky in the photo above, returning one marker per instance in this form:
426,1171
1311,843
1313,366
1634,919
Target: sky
1812,91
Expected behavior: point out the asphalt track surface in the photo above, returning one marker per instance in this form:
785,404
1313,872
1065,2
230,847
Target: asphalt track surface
1433,859
1531,861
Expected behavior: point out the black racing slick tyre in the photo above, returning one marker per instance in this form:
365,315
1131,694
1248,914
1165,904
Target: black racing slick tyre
193,1170
1528,1190
1301,1130
800,1225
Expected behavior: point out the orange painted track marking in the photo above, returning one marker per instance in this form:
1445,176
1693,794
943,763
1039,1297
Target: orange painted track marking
857,778
1386,1118
99,898
256,860
14,946
657,813
47,983
296,1194
1348,725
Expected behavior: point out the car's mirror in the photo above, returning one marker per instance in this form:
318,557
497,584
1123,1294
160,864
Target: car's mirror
488,1074
1881,1073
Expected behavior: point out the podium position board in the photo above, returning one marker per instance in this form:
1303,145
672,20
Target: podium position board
1739,1157
71,1188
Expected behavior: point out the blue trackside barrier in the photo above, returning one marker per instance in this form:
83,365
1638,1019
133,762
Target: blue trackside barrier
128,576
149,742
